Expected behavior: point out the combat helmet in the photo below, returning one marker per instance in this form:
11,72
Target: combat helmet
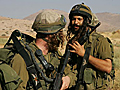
81,9
94,20
49,22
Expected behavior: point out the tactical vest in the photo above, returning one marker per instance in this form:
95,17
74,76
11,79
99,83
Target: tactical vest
96,78
93,78
8,77
51,58
8,52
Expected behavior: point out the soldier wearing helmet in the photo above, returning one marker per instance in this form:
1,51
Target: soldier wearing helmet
48,26
100,59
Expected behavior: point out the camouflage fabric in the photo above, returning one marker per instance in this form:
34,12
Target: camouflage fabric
9,79
81,9
94,79
94,20
100,49
19,66
49,22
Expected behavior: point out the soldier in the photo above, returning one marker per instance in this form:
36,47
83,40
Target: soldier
96,74
48,26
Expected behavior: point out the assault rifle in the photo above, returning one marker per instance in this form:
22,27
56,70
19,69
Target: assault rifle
58,80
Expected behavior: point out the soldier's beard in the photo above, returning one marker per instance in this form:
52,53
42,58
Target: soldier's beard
79,33
75,30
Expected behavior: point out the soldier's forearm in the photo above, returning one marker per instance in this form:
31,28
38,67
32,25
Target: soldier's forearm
102,65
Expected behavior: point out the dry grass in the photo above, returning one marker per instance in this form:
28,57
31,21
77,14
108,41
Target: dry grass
117,68
3,40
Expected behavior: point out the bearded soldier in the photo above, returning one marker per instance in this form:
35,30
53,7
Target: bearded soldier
97,72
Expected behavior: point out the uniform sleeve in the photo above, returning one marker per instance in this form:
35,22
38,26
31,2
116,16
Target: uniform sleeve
104,49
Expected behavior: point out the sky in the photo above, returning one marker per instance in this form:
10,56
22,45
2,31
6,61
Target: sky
20,9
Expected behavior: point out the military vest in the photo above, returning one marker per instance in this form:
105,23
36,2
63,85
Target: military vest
8,52
94,78
97,78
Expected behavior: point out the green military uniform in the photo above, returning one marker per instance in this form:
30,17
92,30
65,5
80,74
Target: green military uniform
93,78
18,64
100,48
47,22
9,79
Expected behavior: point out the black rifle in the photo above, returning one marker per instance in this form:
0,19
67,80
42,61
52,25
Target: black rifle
86,55
58,79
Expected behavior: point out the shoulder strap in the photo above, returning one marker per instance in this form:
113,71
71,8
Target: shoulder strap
30,66
30,61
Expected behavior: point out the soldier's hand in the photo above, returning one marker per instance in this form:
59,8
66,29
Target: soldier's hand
65,82
77,48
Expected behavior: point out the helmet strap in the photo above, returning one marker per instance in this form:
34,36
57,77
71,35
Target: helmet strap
45,39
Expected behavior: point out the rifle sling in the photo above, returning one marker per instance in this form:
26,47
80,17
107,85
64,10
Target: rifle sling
29,64
83,66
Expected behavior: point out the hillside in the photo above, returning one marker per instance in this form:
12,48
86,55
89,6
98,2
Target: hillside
110,27
7,25
32,16
110,22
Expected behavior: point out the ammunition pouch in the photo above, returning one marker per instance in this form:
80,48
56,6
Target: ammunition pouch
89,79
8,78
88,76
101,79
95,79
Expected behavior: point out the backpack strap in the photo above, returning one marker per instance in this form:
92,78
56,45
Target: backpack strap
30,66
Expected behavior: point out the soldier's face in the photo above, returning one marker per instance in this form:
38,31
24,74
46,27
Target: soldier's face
77,21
